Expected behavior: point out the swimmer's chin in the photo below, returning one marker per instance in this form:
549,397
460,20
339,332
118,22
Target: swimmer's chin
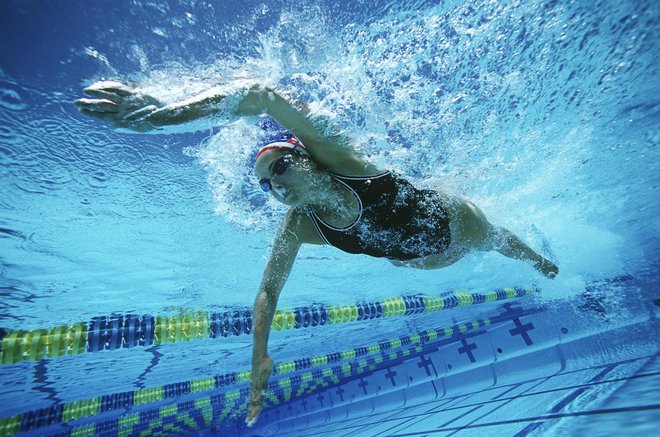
288,198
292,201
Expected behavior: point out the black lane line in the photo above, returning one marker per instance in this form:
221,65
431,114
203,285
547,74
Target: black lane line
401,418
503,404
544,417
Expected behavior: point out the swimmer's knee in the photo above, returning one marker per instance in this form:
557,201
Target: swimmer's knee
471,228
496,233
482,231
497,238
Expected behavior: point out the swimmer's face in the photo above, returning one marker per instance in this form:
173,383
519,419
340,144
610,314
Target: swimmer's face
287,176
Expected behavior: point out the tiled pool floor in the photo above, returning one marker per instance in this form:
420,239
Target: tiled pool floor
591,383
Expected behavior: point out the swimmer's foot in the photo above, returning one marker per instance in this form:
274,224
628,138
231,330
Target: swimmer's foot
547,268
260,375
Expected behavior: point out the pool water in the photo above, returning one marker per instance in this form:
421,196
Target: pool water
130,261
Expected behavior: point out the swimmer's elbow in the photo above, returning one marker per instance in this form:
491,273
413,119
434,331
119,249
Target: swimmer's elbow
256,100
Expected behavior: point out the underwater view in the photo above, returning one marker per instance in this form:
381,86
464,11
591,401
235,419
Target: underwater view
133,247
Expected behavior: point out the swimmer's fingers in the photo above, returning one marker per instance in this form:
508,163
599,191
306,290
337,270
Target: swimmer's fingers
250,421
115,92
109,86
97,105
140,113
255,405
258,387
253,414
105,116
104,95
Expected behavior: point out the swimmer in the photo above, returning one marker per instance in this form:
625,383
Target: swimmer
336,198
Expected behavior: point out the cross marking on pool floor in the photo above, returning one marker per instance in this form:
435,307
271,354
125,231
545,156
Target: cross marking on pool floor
391,374
320,399
363,384
467,349
425,363
340,392
521,330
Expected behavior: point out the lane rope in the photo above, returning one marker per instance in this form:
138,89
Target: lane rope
131,330
328,370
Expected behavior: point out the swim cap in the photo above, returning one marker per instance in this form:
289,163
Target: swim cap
293,144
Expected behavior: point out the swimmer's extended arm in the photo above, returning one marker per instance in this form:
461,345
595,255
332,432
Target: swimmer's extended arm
285,249
128,108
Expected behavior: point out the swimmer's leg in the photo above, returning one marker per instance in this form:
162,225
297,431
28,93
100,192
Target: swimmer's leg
509,245
471,229
434,261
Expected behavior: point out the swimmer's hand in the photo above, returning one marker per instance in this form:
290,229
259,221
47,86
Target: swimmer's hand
123,106
260,374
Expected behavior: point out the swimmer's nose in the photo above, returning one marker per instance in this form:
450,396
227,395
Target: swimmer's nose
280,190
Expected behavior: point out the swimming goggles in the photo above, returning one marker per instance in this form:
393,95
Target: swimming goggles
279,168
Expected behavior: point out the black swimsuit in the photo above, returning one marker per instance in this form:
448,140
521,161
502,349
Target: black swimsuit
396,220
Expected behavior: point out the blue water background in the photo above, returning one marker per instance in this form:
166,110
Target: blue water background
544,113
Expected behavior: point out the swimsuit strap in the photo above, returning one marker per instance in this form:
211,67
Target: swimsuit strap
318,220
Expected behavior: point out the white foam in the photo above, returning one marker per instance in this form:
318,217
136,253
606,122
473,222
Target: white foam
427,94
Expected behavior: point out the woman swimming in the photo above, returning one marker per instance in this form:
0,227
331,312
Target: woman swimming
336,198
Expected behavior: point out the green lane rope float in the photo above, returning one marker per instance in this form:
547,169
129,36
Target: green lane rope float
127,331
329,370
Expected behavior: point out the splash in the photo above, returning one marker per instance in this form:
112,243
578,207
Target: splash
227,156
504,104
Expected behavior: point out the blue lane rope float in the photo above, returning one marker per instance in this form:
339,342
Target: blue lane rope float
128,331
324,369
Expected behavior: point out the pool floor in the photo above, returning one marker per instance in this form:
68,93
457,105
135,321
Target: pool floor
528,375
526,366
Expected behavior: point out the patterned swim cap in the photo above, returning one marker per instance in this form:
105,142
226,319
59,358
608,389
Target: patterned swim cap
293,144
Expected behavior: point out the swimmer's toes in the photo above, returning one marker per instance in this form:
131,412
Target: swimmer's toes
547,268
551,270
